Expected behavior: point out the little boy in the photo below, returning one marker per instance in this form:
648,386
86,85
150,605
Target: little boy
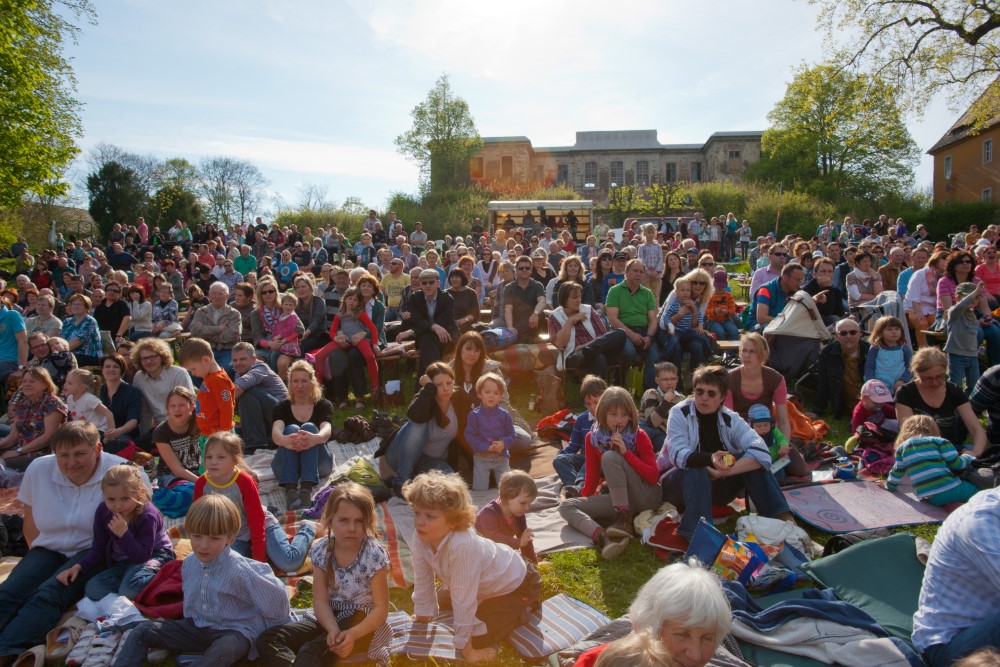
762,421
228,600
569,462
654,408
503,519
489,432
962,344
214,404
875,407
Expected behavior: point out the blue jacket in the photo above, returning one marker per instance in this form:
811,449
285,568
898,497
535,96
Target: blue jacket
682,437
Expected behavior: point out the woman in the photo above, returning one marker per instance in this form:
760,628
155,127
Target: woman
585,344
672,270
541,270
80,329
155,376
472,274
141,312
920,303
695,341
753,382
31,301
262,323
125,403
303,423
35,416
829,299
930,393
571,271
372,303
960,269
312,311
489,267
466,301
44,321
863,283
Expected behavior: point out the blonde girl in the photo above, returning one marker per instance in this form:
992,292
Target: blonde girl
176,440
889,356
621,454
130,541
351,581
82,403
260,536
931,462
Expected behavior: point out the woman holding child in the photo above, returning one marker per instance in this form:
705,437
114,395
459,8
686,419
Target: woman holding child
263,322
578,330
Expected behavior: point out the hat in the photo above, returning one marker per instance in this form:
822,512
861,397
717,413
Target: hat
429,273
965,289
817,254
758,413
539,252
692,249
877,391
720,280
620,257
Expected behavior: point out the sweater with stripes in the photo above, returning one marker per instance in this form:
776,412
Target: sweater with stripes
930,463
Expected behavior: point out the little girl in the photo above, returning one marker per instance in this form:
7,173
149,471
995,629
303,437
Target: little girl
962,343
503,519
488,586
931,463
351,566
621,454
889,355
176,440
722,309
165,320
284,328
129,538
688,318
261,536
82,402
351,327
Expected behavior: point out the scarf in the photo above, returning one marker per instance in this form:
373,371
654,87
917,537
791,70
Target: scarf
601,439
561,317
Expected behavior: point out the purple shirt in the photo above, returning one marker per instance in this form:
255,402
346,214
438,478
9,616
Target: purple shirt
145,536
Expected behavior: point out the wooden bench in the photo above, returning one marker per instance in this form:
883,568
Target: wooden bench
935,338
729,346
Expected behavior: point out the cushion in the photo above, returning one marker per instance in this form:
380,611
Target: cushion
561,622
882,577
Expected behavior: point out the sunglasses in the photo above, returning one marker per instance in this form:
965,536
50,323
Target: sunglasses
964,261
779,254
428,282
852,332
268,291
524,268
711,393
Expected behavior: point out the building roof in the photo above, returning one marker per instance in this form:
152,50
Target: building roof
622,140
505,140
962,129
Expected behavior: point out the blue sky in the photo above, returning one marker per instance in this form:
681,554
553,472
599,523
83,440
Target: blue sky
314,92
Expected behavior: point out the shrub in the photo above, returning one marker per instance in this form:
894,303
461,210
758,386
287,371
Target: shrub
800,213
722,198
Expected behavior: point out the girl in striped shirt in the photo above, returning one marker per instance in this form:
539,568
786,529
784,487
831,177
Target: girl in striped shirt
931,462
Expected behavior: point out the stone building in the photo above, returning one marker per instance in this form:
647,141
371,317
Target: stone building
964,166
599,161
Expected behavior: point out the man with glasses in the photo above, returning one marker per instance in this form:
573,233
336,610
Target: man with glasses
524,301
431,321
772,296
841,371
777,257
714,454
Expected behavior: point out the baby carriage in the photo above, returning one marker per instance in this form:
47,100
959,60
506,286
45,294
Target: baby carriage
795,336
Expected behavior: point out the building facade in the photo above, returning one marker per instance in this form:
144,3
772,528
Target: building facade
600,161
965,165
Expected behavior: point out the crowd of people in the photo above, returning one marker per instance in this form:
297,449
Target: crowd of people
277,326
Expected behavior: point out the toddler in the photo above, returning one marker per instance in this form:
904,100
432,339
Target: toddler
489,432
503,519
82,403
721,309
761,420
931,462
889,355
875,406
284,328
569,462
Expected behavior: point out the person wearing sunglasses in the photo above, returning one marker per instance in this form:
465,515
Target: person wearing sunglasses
431,321
714,455
777,257
770,299
841,371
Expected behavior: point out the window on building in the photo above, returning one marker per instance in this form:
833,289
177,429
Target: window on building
669,172
947,166
477,167
590,175
734,154
642,173
562,174
617,173
695,171
988,150
987,194
507,167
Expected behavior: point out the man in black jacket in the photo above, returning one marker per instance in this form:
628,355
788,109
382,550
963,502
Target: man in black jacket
432,320
841,371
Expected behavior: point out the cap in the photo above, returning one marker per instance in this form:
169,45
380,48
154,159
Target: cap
758,413
818,254
694,250
619,256
965,289
539,252
429,273
720,279
877,391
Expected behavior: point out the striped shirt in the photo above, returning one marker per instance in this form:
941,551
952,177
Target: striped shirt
686,323
651,255
930,463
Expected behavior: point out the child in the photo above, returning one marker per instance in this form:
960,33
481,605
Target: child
229,600
214,407
656,403
129,538
259,534
931,463
60,360
762,421
875,406
165,318
640,649
351,327
488,586
722,309
569,462
177,440
503,519
889,355
284,328
617,275
82,402
619,452
688,319
489,432
962,344
351,586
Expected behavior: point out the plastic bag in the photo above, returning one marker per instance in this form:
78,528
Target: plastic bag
776,532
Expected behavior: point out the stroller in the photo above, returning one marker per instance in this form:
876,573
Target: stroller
794,337
886,303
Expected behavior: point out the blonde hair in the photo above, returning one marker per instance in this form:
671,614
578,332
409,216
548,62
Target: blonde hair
640,649
213,515
288,296
918,426
232,444
616,398
927,358
42,375
129,477
447,493
515,482
156,345
701,276
760,345
351,493
984,657
195,349
491,377
303,366
86,378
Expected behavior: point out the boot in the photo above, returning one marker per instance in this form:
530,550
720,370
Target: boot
622,527
292,498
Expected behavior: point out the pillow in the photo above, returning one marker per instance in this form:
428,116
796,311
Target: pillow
561,622
881,576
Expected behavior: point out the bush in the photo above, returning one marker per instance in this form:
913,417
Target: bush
719,199
951,217
348,224
800,212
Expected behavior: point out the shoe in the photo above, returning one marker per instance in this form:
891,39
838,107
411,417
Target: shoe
622,527
60,641
569,491
600,540
614,548
305,498
292,498
574,361
33,657
78,655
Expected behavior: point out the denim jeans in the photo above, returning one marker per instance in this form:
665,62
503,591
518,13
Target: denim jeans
126,579
285,555
726,330
652,357
406,453
307,466
981,635
569,467
696,492
965,368
7,367
256,408
695,345
32,601
656,435
225,360
670,347
220,648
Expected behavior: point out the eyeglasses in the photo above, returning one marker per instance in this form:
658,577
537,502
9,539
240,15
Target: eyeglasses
852,332
779,254
931,378
149,357
699,282
524,268
708,263
964,261
710,393
428,282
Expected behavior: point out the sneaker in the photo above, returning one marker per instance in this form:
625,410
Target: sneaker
292,498
613,548
570,491
622,527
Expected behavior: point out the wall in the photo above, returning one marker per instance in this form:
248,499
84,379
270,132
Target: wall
969,174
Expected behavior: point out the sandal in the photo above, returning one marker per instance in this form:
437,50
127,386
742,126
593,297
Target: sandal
102,649
78,655
33,657
60,641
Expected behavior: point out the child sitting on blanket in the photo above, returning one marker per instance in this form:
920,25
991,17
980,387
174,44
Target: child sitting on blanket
640,649
503,519
489,586
760,418
931,462
489,432
569,462
875,407
351,582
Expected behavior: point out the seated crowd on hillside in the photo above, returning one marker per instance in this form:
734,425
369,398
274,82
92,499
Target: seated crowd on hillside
181,350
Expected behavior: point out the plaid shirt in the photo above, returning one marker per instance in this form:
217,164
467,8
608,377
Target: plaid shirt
651,255
582,335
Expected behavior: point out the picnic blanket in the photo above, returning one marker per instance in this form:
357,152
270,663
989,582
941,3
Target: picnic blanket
843,507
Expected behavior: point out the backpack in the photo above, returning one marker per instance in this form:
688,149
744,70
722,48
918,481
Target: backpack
551,396
356,430
556,427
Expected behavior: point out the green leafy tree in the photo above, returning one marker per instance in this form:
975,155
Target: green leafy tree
443,137
624,201
116,196
663,198
38,111
846,130
172,202
924,47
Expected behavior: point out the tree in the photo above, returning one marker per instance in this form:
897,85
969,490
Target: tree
623,201
924,47
661,199
172,202
116,196
232,189
845,133
38,111
443,137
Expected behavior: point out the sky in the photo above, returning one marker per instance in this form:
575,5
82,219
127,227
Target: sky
315,91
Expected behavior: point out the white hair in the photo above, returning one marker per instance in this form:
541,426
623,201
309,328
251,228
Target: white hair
683,594
219,287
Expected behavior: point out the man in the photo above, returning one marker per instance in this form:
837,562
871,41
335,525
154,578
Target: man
771,298
957,613
258,390
431,321
302,256
121,260
13,341
246,262
392,286
413,287
204,278
18,247
891,270
841,371
113,314
333,293
419,236
524,301
632,308
715,455
834,251
218,323
918,260
394,228
777,256
229,277
243,295
174,279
